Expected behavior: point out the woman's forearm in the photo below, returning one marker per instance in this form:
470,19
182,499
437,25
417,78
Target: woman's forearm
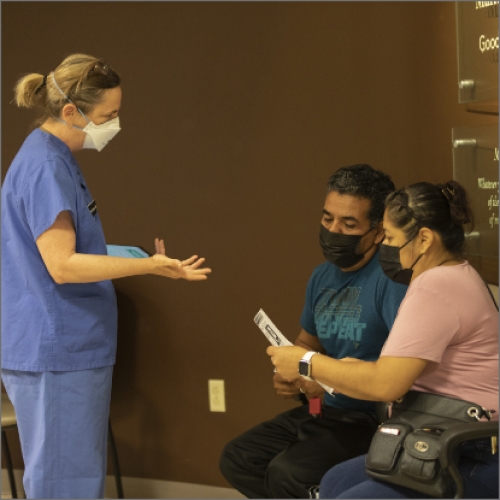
57,249
386,379
358,380
85,268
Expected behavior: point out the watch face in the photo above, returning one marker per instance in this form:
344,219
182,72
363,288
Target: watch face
304,368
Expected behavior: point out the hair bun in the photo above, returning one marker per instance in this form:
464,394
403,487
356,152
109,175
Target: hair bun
460,211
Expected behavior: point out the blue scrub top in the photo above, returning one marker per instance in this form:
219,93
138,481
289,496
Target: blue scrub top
46,326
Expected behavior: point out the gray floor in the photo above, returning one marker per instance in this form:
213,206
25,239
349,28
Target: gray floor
142,488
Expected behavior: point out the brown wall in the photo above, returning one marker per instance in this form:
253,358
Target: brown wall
234,116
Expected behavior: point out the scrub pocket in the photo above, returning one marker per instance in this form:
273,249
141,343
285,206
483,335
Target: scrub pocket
85,322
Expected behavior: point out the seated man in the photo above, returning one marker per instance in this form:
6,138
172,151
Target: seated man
349,310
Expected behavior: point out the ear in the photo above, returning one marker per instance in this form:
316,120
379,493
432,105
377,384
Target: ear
69,112
379,235
426,237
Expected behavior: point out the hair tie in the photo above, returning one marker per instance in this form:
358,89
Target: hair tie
99,67
448,193
44,84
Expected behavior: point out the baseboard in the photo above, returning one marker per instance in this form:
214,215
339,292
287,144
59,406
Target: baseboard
136,487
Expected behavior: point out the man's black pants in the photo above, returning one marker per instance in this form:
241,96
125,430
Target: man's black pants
285,456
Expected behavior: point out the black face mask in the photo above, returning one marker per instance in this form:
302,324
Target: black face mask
340,249
390,262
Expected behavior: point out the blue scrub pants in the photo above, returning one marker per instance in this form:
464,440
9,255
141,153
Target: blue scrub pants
62,419
479,469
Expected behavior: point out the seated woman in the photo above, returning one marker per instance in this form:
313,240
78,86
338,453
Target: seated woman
444,339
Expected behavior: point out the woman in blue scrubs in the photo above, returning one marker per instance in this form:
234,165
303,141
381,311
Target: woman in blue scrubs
59,316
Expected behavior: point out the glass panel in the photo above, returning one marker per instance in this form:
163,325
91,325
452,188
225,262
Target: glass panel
476,168
477,42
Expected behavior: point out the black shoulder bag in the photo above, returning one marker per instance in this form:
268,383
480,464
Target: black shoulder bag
405,448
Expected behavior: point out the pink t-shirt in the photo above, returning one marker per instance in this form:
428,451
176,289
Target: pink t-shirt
448,318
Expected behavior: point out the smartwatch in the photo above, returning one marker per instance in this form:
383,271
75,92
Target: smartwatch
305,365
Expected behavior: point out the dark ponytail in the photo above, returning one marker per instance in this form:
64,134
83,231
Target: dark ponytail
443,208
460,211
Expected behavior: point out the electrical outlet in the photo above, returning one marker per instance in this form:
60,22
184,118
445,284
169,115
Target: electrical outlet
216,395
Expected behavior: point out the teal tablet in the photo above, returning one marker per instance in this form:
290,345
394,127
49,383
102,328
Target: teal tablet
127,251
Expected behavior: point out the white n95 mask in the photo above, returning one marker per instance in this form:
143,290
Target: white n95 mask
99,135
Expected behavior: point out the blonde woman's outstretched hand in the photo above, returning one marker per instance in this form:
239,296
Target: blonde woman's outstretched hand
188,269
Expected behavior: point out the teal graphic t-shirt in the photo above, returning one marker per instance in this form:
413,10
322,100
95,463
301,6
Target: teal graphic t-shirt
351,313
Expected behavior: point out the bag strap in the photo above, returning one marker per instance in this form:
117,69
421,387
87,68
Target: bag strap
444,406
491,294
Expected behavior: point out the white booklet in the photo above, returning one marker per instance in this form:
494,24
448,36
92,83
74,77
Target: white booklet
276,338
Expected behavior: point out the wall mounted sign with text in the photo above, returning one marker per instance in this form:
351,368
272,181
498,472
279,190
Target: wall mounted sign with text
475,166
477,42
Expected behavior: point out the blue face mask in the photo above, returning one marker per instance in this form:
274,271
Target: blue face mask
97,136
